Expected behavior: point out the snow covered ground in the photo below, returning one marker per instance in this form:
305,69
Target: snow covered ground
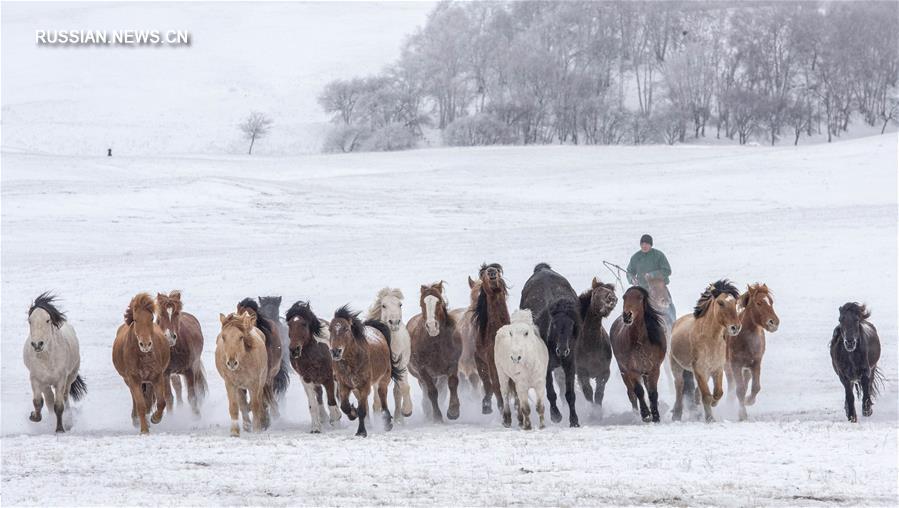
818,224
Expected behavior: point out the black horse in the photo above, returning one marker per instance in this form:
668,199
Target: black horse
556,310
854,351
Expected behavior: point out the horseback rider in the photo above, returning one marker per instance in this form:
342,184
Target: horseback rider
647,264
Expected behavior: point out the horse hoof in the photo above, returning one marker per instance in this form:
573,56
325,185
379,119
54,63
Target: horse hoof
145,432
155,419
452,413
486,409
867,411
35,417
361,433
315,431
853,419
656,418
235,433
407,415
675,417
507,423
574,423
710,419
555,415
60,430
646,418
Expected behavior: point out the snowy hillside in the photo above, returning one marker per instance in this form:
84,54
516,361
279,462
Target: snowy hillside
270,57
817,224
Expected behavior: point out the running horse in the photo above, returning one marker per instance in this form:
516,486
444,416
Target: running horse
745,351
489,314
182,330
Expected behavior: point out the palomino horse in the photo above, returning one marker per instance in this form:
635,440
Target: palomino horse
278,371
854,352
699,344
467,331
521,362
745,351
640,342
141,354
593,350
361,359
312,361
388,309
555,307
489,314
436,348
241,358
182,330
52,357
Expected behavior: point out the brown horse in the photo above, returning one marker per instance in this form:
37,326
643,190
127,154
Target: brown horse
140,354
241,358
593,349
745,351
436,348
699,345
278,371
310,357
182,330
361,358
489,315
639,342
467,331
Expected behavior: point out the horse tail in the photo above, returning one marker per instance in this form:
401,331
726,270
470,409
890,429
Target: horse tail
78,389
396,372
199,374
877,381
282,379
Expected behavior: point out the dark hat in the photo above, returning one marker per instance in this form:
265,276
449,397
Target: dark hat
646,239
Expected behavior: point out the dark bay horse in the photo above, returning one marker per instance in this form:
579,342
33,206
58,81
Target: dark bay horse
278,371
183,332
854,352
489,315
141,354
270,307
745,350
436,348
639,340
556,310
593,350
361,358
310,357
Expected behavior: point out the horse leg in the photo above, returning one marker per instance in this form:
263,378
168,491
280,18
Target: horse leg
756,382
568,367
314,415
732,376
190,379
431,390
494,379
398,401
334,413
600,392
257,406
484,373
176,385
233,409
741,379
319,399
867,404
507,396
242,396
702,382
452,381
652,386
376,403
850,401
362,408
162,387
639,392
37,399
554,414
718,382
345,406
140,405
678,374
541,395
629,385
406,391
385,412
59,405
524,408
584,380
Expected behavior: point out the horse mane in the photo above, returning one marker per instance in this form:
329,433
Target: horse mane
480,312
485,266
542,266
45,301
304,310
654,319
713,291
262,323
859,309
356,325
374,311
174,295
522,316
141,301
438,287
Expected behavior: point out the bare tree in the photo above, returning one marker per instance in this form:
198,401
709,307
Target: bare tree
255,126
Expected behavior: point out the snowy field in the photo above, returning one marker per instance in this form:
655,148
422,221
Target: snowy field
818,224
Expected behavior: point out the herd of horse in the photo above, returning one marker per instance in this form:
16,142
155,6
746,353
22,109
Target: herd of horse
557,337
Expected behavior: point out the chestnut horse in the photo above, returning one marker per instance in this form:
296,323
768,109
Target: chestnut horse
639,341
745,351
309,356
699,345
467,331
140,354
278,371
361,358
241,358
594,351
182,330
489,314
436,348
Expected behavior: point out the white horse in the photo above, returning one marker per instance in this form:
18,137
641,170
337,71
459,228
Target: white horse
388,309
52,357
521,357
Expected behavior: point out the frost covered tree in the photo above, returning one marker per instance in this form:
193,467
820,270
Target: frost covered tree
256,126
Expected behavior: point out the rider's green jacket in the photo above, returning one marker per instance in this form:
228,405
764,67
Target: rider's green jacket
653,263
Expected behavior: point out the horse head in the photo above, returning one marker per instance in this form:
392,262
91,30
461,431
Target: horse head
43,321
491,277
433,307
302,327
564,327
602,298
388,308
519,331
718,303
852,314
140,314
270,307
659,294
635,300
168,315
345,330
235,338
759,304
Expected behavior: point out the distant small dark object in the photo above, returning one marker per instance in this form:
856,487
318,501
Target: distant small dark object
109,152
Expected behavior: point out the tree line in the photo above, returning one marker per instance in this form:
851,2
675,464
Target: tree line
626,72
